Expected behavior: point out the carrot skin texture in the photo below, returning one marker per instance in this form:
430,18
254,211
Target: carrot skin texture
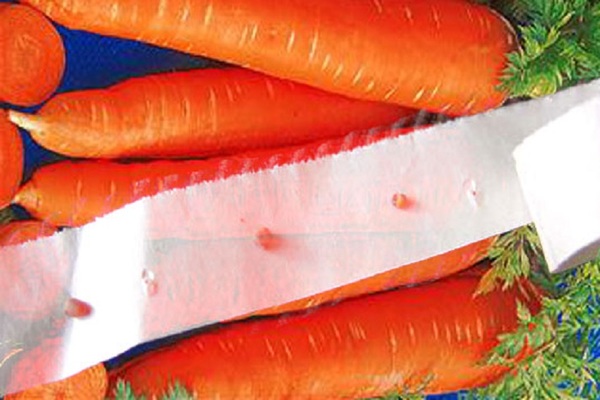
11,160
18,232
32,60
201,112
441,55
357,348
73,193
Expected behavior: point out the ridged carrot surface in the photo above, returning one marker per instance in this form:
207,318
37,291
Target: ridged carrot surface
73,193
198,113
32,60
362,347
41,363
11,159
441,55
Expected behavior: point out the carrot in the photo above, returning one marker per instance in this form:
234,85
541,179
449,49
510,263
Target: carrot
73,193
197,113
445,56
17,232
435,334
39,363
32,59
11,158
171,304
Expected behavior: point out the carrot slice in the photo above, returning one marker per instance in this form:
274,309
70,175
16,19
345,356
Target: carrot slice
11,158
32,60
441,55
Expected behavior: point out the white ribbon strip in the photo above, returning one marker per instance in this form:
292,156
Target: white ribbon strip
559,168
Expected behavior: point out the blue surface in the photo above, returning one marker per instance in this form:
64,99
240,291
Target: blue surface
96,61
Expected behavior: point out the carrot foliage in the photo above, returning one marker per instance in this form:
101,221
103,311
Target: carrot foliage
560,45
123,391
562,338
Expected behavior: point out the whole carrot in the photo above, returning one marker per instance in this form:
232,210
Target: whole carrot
434,335
73,193
441,55
32,59
198,113
17,232
11,159
40,363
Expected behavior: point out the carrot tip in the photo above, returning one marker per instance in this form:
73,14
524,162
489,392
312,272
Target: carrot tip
25,121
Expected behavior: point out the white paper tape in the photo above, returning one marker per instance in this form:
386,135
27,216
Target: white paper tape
559,168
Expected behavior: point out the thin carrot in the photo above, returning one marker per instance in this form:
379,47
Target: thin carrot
32,59
198,113
441,55
17,232
73,193
434,335
11,159
34,364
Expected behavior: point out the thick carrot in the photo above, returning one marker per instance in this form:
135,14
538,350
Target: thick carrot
32,59
73,193
435,334
198,113
40,363
17,232
11,159
441,55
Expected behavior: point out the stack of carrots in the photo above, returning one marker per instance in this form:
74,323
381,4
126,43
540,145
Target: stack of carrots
301,76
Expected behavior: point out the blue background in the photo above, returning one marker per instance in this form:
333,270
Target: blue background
96,61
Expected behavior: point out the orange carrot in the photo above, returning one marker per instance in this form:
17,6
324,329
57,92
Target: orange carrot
73,193
197,113
441,55
11,159
89,384
435,334
32,59
17,232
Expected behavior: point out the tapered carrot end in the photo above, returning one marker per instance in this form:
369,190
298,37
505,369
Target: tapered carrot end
29,122
27,197
91,384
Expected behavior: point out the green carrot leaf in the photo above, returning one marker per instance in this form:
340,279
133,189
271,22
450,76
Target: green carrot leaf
559,45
